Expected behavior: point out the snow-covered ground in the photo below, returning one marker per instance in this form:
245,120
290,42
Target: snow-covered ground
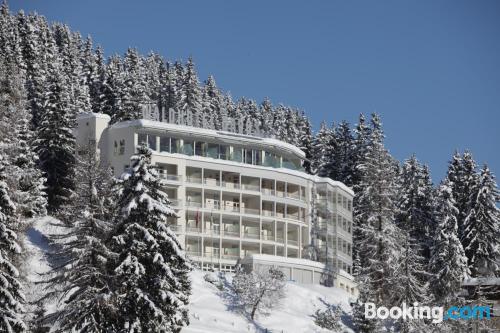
211,310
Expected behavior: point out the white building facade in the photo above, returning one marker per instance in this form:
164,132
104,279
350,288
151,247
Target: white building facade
236,195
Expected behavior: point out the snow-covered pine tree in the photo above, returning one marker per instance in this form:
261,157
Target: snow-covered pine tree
361,143
263,119
279,124
110,101
320,151
463,177
12,299
55,143
32,50
417,206
151,271
212,103
133,88
25,179
343,154
81,281
305,140
192,94
448,261
293,124
482,227
379,238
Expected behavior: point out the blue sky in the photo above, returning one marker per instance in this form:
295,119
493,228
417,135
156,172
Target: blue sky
430,68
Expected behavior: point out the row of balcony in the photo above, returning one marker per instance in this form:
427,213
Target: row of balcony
264,235
252,186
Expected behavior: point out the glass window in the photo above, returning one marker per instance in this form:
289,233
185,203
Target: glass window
142,139
188,147
165,144
174,145
339,199
224,152
349,205
200,149
213,150
122,147
237,155
258,157
248,156
152,142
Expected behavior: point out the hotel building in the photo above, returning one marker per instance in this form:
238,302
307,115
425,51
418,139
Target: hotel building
236,195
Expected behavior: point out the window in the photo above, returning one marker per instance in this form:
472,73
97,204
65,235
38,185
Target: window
142,139
174,145
258,157
270,160
122,147
237,155
213,150
339,199
248,156
223,152
188,147
349,205
152,142
200,148
165,144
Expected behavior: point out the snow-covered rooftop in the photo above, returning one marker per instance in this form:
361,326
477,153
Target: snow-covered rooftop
214,134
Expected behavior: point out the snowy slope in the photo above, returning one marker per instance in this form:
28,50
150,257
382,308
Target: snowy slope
211,312
211,309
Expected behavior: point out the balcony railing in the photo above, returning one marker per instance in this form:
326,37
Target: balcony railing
267,191
232,209
267,237
292,242
212,205
293,195
211,182
193,204
280,194
280,239
267,212
193,230
232,233
230,185
193,180
170,177
212,231
230,256
251,235
250,187
251,211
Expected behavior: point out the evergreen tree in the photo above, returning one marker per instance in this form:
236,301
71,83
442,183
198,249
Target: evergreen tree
482,227
321,151
305,141
212,104
379,238
151,272
24,177
263,120
12,299
343,154
82,279
191,96
279,124
416,205
448,262
55,143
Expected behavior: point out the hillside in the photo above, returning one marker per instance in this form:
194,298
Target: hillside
211,310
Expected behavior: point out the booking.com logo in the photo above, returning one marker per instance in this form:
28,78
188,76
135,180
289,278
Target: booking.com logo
436,313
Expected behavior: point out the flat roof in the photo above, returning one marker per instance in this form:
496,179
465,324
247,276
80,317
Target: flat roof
229,137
